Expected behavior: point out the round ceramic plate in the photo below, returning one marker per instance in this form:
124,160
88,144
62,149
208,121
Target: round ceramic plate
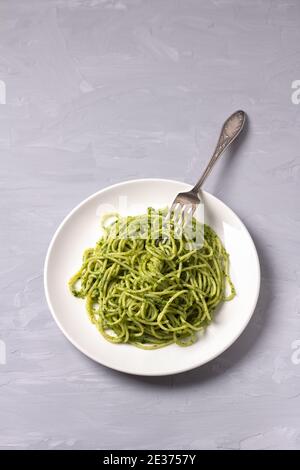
81,229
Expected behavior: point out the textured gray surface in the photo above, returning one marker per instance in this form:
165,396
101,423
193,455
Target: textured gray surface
100,91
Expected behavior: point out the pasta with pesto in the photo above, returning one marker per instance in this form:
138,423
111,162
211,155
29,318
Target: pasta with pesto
152,291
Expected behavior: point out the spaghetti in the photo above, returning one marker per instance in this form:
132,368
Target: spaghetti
152,291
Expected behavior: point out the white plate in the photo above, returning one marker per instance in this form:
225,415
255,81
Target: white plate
80,230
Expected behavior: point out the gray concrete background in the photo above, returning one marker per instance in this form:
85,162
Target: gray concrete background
100,91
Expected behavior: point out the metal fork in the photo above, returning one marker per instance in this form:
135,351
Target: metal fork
185,204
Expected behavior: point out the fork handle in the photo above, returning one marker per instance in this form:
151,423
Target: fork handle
230,130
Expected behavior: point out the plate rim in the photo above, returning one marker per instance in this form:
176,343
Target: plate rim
122,369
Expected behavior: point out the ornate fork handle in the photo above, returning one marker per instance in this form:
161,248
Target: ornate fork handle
230,130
